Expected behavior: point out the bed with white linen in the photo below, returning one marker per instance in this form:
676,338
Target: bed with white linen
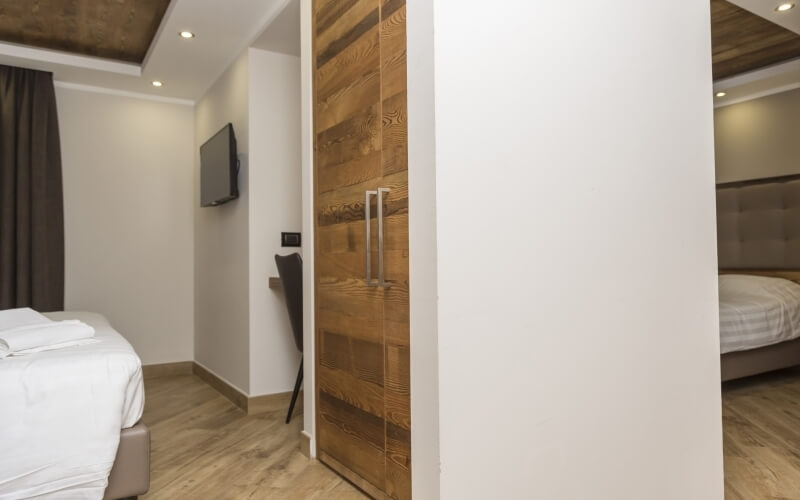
758,235
62,412
757,311
759,322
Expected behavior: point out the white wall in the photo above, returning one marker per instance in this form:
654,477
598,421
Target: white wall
274,182
180,281
222,280
758,138
423,293
580,357
128,194
307,190
242,327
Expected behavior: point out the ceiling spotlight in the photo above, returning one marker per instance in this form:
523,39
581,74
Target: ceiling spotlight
784,7
186,34
157,83
721,94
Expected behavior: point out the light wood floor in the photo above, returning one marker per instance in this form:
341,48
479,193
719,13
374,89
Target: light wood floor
761,434
205,447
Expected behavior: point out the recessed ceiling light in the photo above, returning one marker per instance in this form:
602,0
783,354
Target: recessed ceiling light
186,34
157,83
784,7
721,94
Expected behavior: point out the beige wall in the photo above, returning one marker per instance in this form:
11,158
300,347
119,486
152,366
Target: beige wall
221,298
242,329
128,176
274,184
758,138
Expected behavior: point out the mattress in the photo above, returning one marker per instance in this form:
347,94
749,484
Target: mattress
757,311
61,414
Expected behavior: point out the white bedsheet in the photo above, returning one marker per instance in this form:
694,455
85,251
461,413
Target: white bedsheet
61,413
756,311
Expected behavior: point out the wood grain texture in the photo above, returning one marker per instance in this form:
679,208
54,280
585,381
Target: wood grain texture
275,283
354,478
761,436
205,447
358,18
112,29
349,153
362,335
394,163
742,41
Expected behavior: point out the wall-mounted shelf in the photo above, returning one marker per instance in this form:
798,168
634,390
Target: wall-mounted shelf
275,282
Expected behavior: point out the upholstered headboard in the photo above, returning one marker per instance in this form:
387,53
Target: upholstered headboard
758,224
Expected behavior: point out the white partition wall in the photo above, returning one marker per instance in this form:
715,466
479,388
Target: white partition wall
423,296
577,318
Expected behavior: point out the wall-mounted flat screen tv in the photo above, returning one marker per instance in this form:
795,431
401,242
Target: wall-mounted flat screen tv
219,169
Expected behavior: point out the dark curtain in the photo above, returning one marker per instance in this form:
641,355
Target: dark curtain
31,198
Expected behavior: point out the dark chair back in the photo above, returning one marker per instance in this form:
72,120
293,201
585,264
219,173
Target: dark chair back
290,269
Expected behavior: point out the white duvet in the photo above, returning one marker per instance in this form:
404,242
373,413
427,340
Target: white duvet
756,311
61,413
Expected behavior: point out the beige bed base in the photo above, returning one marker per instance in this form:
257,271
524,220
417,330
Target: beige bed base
764,359
130,476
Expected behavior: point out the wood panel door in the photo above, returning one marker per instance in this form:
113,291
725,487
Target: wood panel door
362,330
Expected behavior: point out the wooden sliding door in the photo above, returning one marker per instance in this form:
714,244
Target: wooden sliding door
361,207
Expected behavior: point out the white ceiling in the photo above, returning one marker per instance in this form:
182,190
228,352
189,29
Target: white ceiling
223,30
778,78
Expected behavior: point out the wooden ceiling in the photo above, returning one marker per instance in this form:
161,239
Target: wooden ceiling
124,29
113,29
742,41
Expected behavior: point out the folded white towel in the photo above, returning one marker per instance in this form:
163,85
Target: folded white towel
23,316
24,331
52,347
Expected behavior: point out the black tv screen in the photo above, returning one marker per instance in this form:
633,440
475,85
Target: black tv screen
219,168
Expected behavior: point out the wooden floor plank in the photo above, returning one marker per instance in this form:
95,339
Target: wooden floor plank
761,436
205,447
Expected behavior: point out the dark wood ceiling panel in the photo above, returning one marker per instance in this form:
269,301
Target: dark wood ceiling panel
742,41
113,29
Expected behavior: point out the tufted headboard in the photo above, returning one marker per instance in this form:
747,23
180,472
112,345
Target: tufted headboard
758,224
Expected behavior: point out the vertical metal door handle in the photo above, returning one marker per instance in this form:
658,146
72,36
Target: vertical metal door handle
381,281
367,250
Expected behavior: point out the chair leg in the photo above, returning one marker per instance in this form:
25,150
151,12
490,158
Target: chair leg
296,390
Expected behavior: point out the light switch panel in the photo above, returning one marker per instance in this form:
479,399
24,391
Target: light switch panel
290,239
